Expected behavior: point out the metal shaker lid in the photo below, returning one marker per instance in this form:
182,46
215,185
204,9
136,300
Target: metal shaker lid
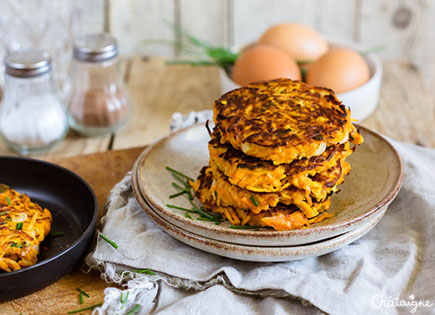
96,47
28,63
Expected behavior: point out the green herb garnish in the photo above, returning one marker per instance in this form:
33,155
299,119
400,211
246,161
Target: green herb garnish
180,208
318,137
114,245
202,52
177,194
16,245
8,200
123,300
3,188
134,310
57,234
19,226
178,173
146,271
86,308
255,202
244,227
81,295
203,215
372,50
3,213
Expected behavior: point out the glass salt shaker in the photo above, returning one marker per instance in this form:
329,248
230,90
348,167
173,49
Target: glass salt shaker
99,102
32,118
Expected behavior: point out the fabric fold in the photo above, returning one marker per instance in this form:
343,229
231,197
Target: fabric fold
387,271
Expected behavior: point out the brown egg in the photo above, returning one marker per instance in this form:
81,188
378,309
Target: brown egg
261,63
301,42
340,69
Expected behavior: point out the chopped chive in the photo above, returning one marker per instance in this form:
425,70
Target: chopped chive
255,202
83,292
302,61
146,271
177,194
180,179
243,227
186,190
186,185
178,173
134,310
180,208
187,215
177,186
3,213
57,234
8,200
16,245
86,308
217,221
3,188
114,245
19,226
123,300
81,297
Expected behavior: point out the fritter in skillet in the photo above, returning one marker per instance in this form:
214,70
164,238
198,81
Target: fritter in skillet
23,226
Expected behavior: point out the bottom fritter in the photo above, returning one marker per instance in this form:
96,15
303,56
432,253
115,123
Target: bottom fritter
280,217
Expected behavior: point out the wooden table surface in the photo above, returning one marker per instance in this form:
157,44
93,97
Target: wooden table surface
406,112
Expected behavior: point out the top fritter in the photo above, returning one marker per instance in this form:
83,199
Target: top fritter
283,120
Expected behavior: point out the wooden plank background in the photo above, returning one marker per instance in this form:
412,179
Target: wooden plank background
402,26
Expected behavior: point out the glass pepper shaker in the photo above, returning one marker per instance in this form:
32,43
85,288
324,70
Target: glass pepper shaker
99,102
32,118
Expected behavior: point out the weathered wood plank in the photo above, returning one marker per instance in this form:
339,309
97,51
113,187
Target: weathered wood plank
88,17
252,17
157,91
404,27
406,110
205,19
134,21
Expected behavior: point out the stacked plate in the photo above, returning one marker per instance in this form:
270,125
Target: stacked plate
374,182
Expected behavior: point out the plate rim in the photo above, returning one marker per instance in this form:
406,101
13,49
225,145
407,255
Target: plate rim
82,236
332,244
389,197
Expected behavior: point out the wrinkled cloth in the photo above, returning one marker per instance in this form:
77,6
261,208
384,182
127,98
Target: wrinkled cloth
391,270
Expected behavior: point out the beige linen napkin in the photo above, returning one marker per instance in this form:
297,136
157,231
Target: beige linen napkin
390,270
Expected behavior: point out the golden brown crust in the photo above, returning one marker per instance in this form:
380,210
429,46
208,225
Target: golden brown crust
281,217
23,226
227,195
281,120
263,176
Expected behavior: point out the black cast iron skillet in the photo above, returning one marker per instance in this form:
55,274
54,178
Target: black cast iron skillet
74,208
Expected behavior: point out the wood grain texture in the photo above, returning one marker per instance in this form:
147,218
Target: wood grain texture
406,110
135,21
157,91
403,26
102,171
251,18
205,19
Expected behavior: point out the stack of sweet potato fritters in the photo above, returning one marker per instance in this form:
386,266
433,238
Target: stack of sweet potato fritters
277,154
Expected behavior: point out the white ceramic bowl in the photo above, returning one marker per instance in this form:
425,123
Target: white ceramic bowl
362,100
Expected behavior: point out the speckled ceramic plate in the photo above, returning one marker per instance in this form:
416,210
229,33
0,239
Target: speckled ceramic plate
257,253
374,182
